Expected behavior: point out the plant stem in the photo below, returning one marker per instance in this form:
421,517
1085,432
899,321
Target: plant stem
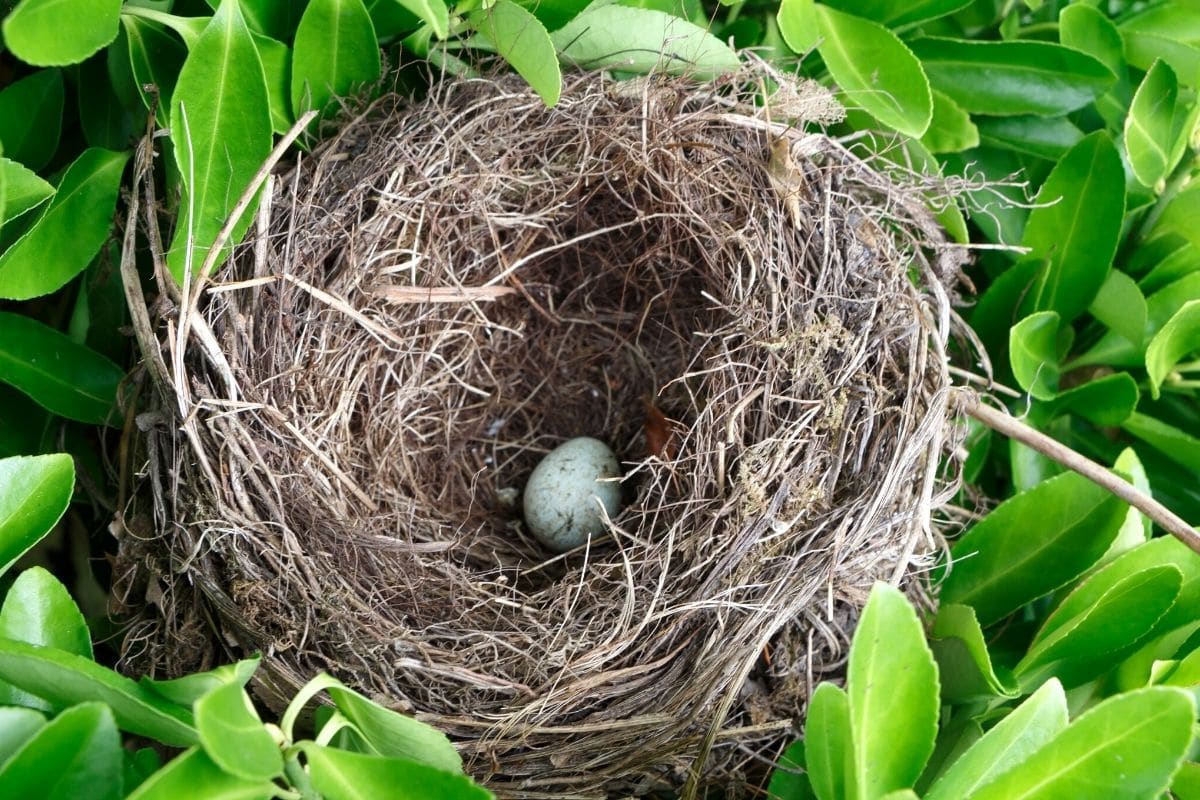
1004,423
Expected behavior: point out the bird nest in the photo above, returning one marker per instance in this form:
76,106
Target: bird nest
753,317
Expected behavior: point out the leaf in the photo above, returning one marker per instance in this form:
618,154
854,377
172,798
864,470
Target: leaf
523,41
1033,351
1018,77
950,129
1179,337
23,190
875,71
1176,21
1154,124
187,690
276,58
1030,545
66,378
1177,445
1121,307
1041,137
1007,745
221,129
1107,401
897,13
395,735
31,118
1086,638
1126,747
1178,263
644,41
65,679
70,230
34,494
194,776
104,122
1179,216
17,725
553,13
335,50
1137,528
798,24
49,33
1115,350
789,781
38,609
234,737
892,684
341,775
140,765
155,57
964,664
75,755
1186,783
1084,28
828,750
1076,226
432,12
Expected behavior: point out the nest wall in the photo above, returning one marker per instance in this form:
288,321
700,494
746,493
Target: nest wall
754,319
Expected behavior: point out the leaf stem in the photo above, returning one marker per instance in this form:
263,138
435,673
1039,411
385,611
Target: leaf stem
1004,423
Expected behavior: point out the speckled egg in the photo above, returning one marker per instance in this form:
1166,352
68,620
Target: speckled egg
560,498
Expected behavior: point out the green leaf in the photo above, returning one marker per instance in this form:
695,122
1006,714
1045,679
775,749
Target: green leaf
1084,28
964,663
104,122
553,13
17,726
432,12
523,41
892,684
1115,350
187,690
39,610
1177,445
335,51
1179,337
1085,637
897,13
341,775
276,58
65,679
1019,77
70,230
1154,124
1169,258
1126,747
1033,350
1027,729
1175,21
64,377
1142,49
1031,544
798,24
644,41
234,737
1076,226
1042,137
221,129
950,129
49,33
140,765
155,58
77,754
828,750
789,781
1121,307
1107,401
31,118
395,735
875,71
34,494
1179,216
194,776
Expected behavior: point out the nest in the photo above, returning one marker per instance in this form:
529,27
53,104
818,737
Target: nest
754,318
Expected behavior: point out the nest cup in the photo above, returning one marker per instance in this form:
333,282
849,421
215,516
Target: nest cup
751,316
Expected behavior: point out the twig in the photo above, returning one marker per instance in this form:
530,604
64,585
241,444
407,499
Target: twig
441,294
1004,423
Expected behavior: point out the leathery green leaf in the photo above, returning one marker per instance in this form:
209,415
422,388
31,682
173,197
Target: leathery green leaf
1124,748
950,128
31,112
892,686
1121,306
70,230
221,130
23,190
335,51
798,23
1033,352
1006,746
828,751
342,775
75,755
1076,226
234,737
523,41
964,663
193,776
1179,337
1154,124
34,494
52,33
1031,544
875,71
789,780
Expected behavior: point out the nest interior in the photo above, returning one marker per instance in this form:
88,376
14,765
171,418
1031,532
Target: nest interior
750,315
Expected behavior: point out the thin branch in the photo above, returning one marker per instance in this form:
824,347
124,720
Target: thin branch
1004,423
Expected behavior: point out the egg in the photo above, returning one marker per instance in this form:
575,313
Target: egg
560,498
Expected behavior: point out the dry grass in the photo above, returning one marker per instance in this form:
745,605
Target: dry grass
452,287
